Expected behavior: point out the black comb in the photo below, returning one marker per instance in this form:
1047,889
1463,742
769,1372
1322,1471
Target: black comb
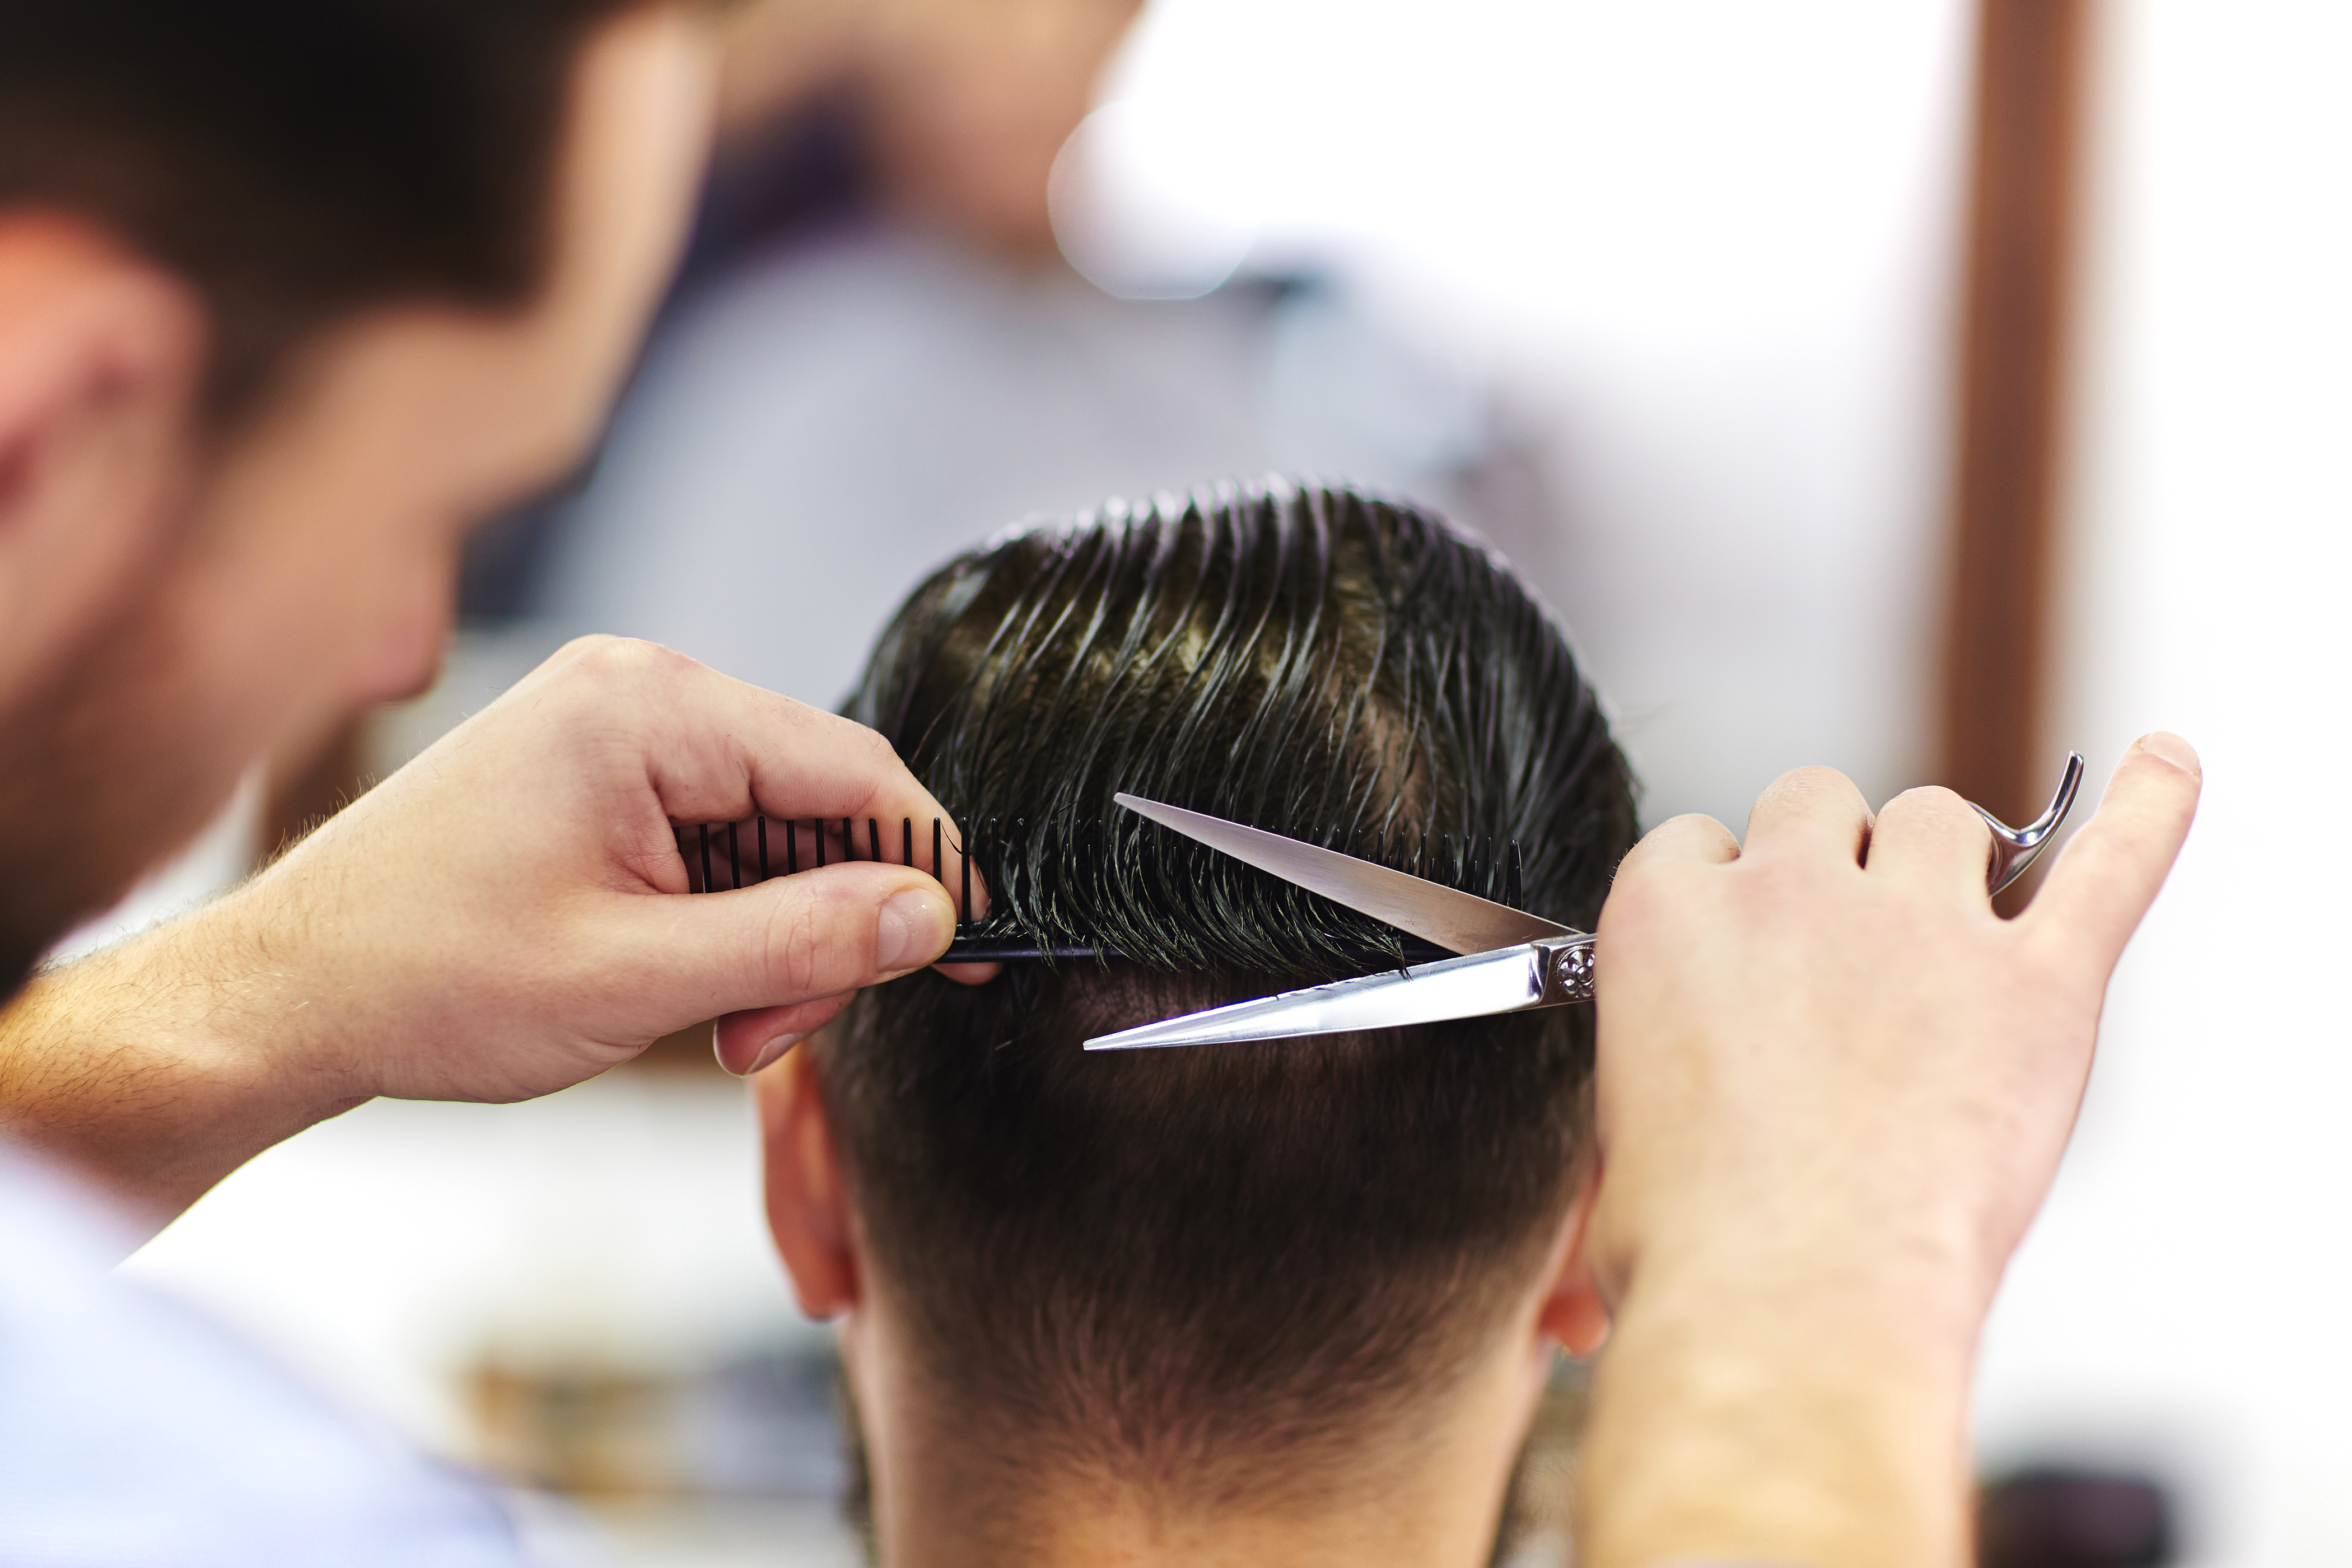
714,861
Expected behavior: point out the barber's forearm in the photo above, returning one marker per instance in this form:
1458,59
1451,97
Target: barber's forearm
155,1068
499,920
1744,1412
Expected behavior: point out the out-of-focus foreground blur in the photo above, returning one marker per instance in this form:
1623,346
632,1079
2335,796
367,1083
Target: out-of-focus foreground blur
1668,298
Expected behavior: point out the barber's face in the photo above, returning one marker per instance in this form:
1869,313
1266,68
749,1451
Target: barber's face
331,536
313,570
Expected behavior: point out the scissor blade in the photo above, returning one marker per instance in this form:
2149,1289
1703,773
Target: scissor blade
1485,983
1459,922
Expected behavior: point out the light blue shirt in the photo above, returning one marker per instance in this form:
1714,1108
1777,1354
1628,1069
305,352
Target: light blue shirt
134,1433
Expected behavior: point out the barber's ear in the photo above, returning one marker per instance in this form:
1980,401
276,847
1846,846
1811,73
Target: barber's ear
102,353
1573,1314
808,1203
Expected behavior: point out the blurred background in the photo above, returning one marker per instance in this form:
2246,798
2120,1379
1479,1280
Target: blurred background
1919,387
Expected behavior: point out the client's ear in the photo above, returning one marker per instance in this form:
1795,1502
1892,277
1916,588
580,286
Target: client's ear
808,1203
1573,1313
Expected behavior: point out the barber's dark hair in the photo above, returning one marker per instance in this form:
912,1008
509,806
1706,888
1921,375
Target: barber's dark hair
1208,1269
296,159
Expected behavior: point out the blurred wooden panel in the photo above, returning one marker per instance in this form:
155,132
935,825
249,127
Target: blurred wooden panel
2030,89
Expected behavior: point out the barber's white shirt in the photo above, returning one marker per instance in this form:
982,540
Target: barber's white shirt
134,1433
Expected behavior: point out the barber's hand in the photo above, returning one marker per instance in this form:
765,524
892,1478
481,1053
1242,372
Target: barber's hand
1833,1088
503,917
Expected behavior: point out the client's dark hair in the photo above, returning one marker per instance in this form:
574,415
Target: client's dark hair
1170,1265
297,159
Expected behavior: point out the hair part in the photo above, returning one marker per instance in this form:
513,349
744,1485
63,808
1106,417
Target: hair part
1211,1271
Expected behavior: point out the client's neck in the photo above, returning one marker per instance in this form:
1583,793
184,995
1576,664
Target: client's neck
945,1497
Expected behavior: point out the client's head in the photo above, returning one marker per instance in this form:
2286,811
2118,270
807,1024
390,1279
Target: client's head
1231,1282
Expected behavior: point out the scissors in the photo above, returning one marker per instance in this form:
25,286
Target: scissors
1512,961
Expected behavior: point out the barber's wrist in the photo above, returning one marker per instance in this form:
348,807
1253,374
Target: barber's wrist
151,1068
1928,1261
275,1020
1758,1405
1862,1213
1816,1317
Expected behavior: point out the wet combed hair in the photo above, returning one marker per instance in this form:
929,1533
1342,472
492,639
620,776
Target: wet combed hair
297,159
1206,1270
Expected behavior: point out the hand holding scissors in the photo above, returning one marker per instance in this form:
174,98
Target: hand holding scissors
1513,961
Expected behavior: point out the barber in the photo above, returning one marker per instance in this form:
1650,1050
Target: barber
1833,1088
289,294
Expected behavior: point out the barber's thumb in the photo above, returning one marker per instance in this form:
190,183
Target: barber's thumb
913,928
812,935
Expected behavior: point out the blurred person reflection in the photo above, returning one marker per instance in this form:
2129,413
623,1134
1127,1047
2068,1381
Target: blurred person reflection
879,352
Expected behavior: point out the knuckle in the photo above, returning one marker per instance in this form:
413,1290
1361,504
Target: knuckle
878,752
1656,850
1934,801
871,762
623,658
1652,890
841,734
1815,780
583,647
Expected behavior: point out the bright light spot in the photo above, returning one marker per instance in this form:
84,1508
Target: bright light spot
1140,211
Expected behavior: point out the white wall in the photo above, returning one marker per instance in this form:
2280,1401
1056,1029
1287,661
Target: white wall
2187,1295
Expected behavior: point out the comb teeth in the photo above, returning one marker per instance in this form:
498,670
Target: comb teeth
1476,867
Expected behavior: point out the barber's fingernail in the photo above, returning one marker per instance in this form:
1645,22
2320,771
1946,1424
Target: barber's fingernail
912,930
772,1052
2173,750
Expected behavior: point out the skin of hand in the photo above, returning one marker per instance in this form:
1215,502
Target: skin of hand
1833,1088
499,920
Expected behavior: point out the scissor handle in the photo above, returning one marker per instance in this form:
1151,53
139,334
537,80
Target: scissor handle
2014,848
1568,968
